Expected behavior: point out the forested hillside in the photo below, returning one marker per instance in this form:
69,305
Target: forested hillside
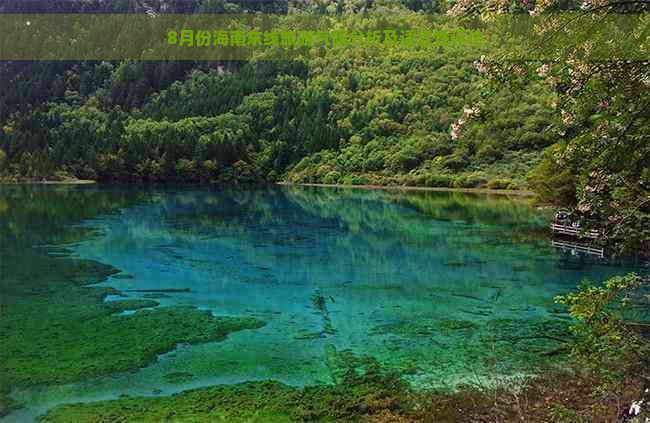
330,121
336,122
441,123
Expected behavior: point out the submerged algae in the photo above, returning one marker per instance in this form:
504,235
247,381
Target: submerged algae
363,389
177,377
55,329
426,327
249,402
130,305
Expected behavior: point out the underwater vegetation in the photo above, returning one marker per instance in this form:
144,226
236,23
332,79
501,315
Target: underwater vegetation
320,304
364,391
56,329
362,388
318,300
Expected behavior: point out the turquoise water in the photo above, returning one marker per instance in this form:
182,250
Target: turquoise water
445,288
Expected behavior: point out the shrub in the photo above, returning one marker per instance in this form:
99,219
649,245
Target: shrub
243,172
553,180
208,169
321,171
502,183
304,164
356,180
332,177
404,160
186,169
443,147
414,180
374,161
605,342
226,175
439,181
489,153
87,172
456,162
470,181
386,180
61,175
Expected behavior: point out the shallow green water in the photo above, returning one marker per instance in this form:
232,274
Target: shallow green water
442,287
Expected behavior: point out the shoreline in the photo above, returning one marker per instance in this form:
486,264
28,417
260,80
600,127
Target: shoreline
67,182
521,193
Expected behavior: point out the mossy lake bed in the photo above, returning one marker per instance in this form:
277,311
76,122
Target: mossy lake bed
269,304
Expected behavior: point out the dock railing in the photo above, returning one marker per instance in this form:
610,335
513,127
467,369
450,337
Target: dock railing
572,231
570,246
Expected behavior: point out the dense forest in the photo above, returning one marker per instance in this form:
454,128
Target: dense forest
575,133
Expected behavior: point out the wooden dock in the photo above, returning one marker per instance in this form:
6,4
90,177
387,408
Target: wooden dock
572,231
579,248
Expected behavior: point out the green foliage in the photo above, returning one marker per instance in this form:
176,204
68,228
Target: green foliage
562,414
166,121
441,181
605,342
553,180
470,181
502,183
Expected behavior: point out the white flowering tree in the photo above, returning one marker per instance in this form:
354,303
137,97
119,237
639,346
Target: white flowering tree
600,163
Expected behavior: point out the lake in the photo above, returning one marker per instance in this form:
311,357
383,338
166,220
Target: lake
443,288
